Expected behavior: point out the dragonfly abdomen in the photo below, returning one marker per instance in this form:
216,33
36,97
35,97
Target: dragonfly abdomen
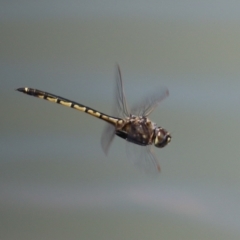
68,103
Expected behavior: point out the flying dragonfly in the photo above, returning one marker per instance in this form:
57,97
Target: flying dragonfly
132,125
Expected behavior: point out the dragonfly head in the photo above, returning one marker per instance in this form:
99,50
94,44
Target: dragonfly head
161,138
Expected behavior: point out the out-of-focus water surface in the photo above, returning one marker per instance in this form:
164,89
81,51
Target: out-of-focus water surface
55,181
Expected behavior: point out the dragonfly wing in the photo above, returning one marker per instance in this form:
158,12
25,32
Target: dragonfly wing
145,107
121,103
107,137
152,160
143,158
120,109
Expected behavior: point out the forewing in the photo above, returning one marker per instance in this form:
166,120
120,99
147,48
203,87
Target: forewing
143,158
145,107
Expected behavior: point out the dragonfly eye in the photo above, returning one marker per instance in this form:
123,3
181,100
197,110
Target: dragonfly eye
162,138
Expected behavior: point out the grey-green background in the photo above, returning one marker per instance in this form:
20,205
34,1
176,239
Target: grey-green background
55,181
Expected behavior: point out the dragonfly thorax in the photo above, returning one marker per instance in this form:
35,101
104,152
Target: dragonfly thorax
161,137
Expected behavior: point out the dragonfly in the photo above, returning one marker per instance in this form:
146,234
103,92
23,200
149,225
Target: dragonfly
132,125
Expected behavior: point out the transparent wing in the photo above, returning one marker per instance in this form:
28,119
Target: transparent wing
120,109
144,158
107,137
145,107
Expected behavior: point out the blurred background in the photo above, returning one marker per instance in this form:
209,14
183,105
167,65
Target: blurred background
56,182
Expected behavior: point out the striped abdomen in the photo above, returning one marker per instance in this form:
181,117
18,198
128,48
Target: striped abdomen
68,103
